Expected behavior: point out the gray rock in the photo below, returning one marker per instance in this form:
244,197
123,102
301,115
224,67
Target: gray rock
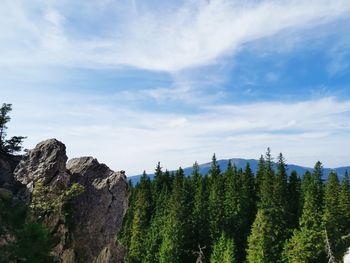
46,163
104,204
87,233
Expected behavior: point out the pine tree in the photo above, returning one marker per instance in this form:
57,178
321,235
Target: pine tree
124,235
14,144
267,184
161,191
223,250
331,213
154,235
269,227
307,242
200,211
232,186
141,220
4,119
188,238
248,211
216,200
280,190
293,201
344,204
261,239
171,249
260,174
344,210
318,174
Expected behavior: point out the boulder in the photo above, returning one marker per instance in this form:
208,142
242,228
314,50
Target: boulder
46,163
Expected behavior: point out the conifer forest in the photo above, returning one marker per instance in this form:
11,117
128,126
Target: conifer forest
237,216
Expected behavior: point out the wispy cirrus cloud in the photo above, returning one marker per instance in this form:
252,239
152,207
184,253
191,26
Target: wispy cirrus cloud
52,54
192,34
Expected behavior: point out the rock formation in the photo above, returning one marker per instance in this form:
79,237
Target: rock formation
87,233
7,164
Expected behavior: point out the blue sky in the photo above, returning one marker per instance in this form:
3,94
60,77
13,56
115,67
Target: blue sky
136,82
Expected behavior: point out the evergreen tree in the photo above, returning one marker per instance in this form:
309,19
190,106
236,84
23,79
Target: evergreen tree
260,174
248,212
307,242
171,249
124,235
200,211
332,214
344,204
267,184
174,218
262,239
344,210
318,174
269,227
4,119
188,203
232,184
157,227
14,144
223,250
141,220
281,191
216,200
293,200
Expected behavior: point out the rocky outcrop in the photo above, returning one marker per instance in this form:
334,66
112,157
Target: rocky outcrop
5,172
99,211
46,163
7,165
86,233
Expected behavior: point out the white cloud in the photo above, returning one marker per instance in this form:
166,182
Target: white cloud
194,34
53,38
134,139
38,34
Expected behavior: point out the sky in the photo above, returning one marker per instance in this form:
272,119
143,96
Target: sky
134,83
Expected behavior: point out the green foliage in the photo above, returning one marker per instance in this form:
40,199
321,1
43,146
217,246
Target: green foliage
216,201
263,239
331,212
200,210
232,216
26,240
270,225
14,144
307,243
141,219
171,249
305,246
47,199
4,119
33,244
223,250
293,200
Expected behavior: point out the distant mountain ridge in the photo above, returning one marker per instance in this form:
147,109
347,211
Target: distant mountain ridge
241,163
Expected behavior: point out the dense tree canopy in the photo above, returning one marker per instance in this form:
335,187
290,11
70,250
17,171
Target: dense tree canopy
234,216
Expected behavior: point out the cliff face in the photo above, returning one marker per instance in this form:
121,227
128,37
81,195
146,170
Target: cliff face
84,225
